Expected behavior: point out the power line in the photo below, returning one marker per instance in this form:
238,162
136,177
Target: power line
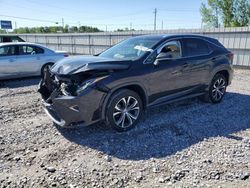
177,10
31,19
75,23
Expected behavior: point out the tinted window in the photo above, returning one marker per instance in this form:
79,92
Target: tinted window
195,47
39,50
7,50
30,50
172,49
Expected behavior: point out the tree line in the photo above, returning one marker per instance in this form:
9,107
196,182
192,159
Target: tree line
60,29
55,29
226,13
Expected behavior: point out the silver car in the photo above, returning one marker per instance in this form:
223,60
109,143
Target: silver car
24,59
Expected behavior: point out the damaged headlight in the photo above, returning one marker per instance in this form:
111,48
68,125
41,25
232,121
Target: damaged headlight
68,89
88,83
65,89
85,85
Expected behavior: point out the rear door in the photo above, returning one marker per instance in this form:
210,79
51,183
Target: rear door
197,55
9,66
30,57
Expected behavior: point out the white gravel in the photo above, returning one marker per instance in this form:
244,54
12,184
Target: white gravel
186,144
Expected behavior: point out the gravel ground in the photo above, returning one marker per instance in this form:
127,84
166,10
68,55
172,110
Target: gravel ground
186,144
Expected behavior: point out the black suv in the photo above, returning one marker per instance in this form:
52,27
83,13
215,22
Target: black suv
118,84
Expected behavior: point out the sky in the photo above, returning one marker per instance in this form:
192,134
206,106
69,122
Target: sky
104,14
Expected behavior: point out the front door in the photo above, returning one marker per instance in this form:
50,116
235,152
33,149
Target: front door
166,78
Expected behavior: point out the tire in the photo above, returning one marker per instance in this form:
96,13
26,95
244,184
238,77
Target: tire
124,110
217,89
45,67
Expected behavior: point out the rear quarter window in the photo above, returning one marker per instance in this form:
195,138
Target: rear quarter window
39,50
195,47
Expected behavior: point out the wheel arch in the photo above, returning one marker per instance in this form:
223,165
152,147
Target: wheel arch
48,63
224,73
224,70
136,87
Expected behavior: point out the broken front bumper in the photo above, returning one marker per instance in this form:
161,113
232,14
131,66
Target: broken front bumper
68,111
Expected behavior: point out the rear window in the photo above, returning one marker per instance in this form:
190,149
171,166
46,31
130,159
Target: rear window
217,43
195,47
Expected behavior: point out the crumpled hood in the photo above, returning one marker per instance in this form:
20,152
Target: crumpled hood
83,63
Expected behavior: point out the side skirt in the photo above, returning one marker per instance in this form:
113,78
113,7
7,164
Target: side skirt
163,102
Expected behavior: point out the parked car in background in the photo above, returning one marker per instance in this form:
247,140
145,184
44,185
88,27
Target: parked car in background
118,84
10,38
24,59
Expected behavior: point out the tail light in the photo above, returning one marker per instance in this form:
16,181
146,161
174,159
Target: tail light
66,55
231,57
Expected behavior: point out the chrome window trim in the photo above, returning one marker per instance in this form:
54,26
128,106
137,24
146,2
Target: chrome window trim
179,38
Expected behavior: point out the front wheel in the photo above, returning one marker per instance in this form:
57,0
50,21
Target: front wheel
124,110
45,68
217,89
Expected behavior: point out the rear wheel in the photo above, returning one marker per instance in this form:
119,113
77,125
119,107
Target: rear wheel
124,110
217,89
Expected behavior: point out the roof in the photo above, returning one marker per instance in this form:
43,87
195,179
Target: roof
21,43
164,36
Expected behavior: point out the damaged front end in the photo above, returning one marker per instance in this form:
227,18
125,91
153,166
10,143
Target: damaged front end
68,99
73,89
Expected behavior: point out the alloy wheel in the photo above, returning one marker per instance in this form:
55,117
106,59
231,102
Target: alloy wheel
47,67
218,89
126,112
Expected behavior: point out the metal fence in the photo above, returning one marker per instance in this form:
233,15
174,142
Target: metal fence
236,39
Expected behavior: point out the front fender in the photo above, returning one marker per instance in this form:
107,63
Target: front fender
106,98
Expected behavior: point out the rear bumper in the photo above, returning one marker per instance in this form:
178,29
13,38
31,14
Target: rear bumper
231,74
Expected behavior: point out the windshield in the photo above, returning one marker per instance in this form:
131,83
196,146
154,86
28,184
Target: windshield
131,49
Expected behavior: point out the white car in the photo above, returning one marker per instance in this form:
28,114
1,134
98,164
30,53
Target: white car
24,59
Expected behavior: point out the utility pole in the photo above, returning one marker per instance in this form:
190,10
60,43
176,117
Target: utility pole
155,13
162,25
62,24
16,27
217,17
130,26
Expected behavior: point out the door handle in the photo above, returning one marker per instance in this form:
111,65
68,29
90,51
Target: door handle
185,65
176,73
11,60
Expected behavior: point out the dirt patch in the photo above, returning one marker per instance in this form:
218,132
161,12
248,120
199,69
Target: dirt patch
185,144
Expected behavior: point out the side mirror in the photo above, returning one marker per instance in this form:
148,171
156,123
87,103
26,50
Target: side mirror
160,56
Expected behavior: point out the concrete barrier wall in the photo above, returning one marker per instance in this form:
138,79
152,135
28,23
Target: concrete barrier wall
235,39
